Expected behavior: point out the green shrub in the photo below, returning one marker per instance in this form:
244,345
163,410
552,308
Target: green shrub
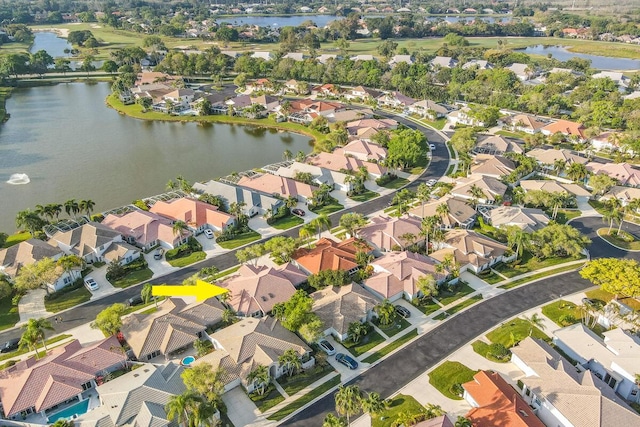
183,250
140,204
385,179
499,351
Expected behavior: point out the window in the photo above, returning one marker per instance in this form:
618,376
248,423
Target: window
87,385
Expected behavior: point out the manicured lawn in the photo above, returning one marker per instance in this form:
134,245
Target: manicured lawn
605,296
428,306
491,278
299,403
138,276
268,400
614,240
227,272
14,239
456,308
445,297
483,349
396,183
287,222
390,347
294,384
529,263
20,352
329,208
398,325
133,308
188,260
447,375
515,330
564,215
363,197
533,277
68,300
9,315
240,240
397,405
598,206
558,309
372,339
438,124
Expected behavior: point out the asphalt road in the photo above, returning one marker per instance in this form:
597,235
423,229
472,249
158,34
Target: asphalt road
87,312
600,248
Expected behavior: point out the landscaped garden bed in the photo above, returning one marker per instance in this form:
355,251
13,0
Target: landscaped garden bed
562,313
185,254
305,378
494,352
622,240
397,405
240,239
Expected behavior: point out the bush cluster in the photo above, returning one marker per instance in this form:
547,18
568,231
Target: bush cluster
183,250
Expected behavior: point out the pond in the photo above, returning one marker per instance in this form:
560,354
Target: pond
279,21
70,145
50,42
598,62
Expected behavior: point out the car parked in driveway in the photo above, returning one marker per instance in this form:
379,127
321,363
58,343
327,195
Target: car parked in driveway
298,212
327,347
91,284
158,254
10,345
347,361
402,311
208,233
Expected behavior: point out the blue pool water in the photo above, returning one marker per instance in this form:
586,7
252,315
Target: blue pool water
188,360
77,409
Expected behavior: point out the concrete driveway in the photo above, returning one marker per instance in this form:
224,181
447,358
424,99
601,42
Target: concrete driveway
31,306
240,409
346,373
158,266
106,288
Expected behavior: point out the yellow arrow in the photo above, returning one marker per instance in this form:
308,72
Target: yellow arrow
202,290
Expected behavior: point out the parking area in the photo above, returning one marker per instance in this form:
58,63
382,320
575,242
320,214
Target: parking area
346,373
105,287
158,266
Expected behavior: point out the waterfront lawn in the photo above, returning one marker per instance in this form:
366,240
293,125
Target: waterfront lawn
287,222
448,377
390,347
14,239
365,344
299,403
514,331
187,260
240,240
9,315
363,197
136,276
396,183
399,404
67,300
332,206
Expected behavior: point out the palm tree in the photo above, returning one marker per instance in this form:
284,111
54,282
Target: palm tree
146,293
433,411
374,404
181,406
259,377
424,193
229,315
463,422
426,227
301,156
443,210
29,340
291,362
559,166
287,155
172,185
306,232
41,211
577,172
427,286
87,206
37,328
179,228
385,311
30,221
517,239
477,193
291,202
332,421
408,238
612,212
69,206
203,413
320,223
348,401
357,330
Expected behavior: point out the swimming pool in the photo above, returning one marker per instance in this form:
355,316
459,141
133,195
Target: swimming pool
76,409
188,360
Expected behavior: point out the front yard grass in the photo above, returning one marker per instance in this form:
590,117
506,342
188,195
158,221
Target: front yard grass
332,206
68,300
299,403
240,240
294,384
448,377
456,308
390,347
396,183
9,315
484,350
533,277
365,344
563,313
287,222
528,263
615,241
514,331
399,404
599,294
364,196
20,352
427,306
16,238
491,278
187,260
268,400
437,124
399,324
565,215
137,276
446,297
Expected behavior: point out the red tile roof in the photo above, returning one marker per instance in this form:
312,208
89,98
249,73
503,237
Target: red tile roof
193,212
329,255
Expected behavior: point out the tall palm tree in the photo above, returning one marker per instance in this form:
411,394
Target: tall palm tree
291,362
463,422
180,406
320,223
29,340
259,377
443,210
559,166
37,328
536,321
87,206
577,172
332,421
424,194
426,227
179,228
56,209
517,239
348,401
408,238
306,232
287,155
427,286
385,311
71,206
41,211
612,212
477,193
374,404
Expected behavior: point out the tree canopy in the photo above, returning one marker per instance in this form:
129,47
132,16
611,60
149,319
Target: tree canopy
558,240
109,320
406,148
617,276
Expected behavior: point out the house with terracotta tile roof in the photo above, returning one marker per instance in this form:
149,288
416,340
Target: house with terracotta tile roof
196,214
254,290
337,162
278,186
496,403
327,89
339,306
92,241
137,398
562,395
492,188
63,375
363,150
356,127
176,325
459,214
240,347
29,252
396,274
492,166
385,233
144,229
472,251
441,421
527,219
624,173
567,128
255,201
330,255
496,144
523,123
548,157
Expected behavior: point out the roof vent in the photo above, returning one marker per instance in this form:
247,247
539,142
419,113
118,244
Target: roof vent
136,375
263,298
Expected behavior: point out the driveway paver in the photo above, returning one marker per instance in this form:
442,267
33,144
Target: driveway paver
240,409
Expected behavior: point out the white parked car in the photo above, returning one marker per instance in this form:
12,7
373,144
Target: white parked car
208,233
432,147
91,284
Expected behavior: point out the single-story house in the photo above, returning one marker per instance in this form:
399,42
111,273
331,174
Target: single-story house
326,57
363,150
337,180
463,117
255,201
528,219
428,108
387,233
196,214
523,123
567,128
254,290
361,93
472,251
492,166
624,173
398,59
327,89
278,186
480,64
337,161
356,127
296,56
548,157
553,187
143,229
492,188
339,306
176,325
459,214
495,144
330,255
522,71
396,274
624,194
395,99
443,62
617,77
609,141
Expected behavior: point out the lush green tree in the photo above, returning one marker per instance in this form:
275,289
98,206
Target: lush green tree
387,48
577,172
601,183
463,140
427,286
29,341
386,312
357,331
296,311
311,330
40,61
206,381
61,422
348,401
146,293
557,240
38,275
281,248
407,148
352,221
30,221
332,421
463,422
321,222
35,329
290,361
69,262
325,278
374,404
620,277
259,377
181,408
109,320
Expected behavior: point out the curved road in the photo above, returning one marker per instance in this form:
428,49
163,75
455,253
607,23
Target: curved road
87,312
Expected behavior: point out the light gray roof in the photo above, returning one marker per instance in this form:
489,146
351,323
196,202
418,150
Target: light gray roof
231,194
528,219
338,307
86,238
26,253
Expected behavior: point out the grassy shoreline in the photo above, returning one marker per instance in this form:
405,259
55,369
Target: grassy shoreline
5,92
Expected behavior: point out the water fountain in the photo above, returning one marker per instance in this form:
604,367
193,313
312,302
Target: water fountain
19,178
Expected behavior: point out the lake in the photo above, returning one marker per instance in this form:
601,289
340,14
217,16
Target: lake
279,21
71,145
598,62
49,41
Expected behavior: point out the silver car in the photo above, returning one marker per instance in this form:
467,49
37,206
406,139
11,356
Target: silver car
327,347
91,284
